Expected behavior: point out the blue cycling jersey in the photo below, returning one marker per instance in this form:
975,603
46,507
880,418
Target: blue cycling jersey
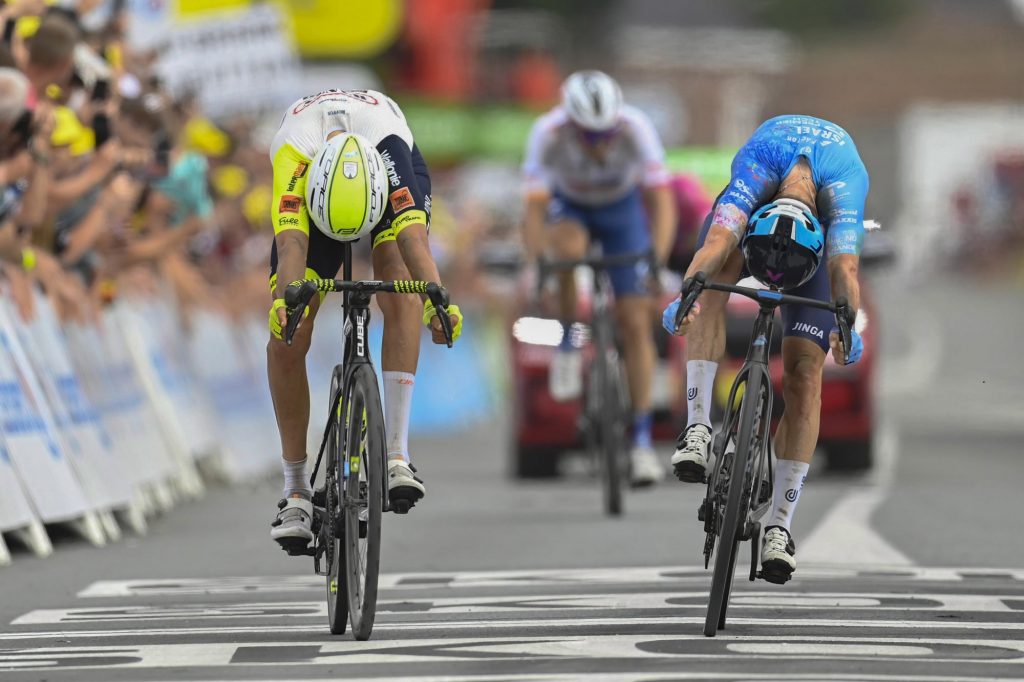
838,173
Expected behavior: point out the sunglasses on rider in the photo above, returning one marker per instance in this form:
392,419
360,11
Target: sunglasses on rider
598,136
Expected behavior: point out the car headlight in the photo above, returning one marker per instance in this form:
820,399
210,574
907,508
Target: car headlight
537,331
862,321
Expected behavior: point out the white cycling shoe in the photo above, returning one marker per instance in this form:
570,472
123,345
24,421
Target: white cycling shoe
645,468
693,452
778,555
292,527
565,376
405,489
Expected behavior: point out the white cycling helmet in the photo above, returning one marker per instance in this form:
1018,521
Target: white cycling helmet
593,100
347,187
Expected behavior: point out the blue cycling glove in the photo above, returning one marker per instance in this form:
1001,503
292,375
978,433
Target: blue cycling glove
668,318
856,345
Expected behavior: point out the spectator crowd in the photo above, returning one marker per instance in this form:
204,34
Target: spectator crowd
109,184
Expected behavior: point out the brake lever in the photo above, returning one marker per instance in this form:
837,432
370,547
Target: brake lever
843,322
297,296
438,296
690,294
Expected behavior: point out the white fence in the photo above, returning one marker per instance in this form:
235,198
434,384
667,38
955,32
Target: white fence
104,426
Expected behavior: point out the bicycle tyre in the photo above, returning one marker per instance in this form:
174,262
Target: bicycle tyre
367,456
611,430
729,533
337,592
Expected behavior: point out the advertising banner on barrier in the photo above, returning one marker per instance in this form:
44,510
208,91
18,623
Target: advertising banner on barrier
49,481
83,435
15,511
245,418
166,389
115,390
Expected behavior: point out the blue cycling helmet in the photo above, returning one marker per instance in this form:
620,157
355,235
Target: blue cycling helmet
783,244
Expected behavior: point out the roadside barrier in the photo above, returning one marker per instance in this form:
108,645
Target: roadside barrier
106,425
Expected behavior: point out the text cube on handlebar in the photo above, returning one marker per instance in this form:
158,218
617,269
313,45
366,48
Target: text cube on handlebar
299,293
694,286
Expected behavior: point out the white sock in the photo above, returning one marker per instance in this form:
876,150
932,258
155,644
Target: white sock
295,478
397,405
789,481
700,387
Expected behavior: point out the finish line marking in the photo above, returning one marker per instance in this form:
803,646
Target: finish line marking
668,601
519,579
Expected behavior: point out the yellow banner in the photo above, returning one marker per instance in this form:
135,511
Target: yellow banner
350,29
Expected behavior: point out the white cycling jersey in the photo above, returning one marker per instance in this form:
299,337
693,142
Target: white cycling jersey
308,121
557,160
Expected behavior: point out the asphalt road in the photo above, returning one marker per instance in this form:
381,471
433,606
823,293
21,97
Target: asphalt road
913,572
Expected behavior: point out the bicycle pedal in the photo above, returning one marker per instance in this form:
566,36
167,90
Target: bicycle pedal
401,506
688,472
296,547
775,577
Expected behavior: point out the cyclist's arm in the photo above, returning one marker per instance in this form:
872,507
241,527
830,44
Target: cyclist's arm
415,250
842,275
711,257
661,206
537,185
534,218
845,237
405,210
289,215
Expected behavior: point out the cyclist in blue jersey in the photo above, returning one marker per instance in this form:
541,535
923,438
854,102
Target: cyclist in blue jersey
801,174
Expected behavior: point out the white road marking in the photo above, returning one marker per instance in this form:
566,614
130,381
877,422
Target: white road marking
827,649
809,570
845,534
656,677
449,649
981,603
534,623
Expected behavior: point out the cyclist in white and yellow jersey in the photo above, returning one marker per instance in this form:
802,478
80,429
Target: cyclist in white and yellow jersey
347,160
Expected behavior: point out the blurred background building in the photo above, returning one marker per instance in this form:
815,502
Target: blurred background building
931,91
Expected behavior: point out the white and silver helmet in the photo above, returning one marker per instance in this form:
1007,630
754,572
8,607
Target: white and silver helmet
347,187
593,100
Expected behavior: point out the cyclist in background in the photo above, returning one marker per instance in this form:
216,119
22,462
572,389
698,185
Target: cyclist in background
595,170
347,159
793,172
692,206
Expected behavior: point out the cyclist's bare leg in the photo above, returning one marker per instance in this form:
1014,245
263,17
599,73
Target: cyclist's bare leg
635,317
705,346
795,440
706,338
403,315
567,240
797,433
289,387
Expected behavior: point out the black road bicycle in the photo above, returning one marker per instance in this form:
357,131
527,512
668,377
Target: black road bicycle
348,508
606,405
739,487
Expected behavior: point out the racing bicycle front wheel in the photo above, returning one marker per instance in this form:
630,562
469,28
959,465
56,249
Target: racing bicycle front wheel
364,497
730,531
612,431
331,525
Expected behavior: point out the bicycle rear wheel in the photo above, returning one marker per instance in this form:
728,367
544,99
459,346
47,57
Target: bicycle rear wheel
364,497
730,531
331,529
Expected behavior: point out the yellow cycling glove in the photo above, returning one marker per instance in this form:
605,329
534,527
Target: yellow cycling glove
429,312
275,324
